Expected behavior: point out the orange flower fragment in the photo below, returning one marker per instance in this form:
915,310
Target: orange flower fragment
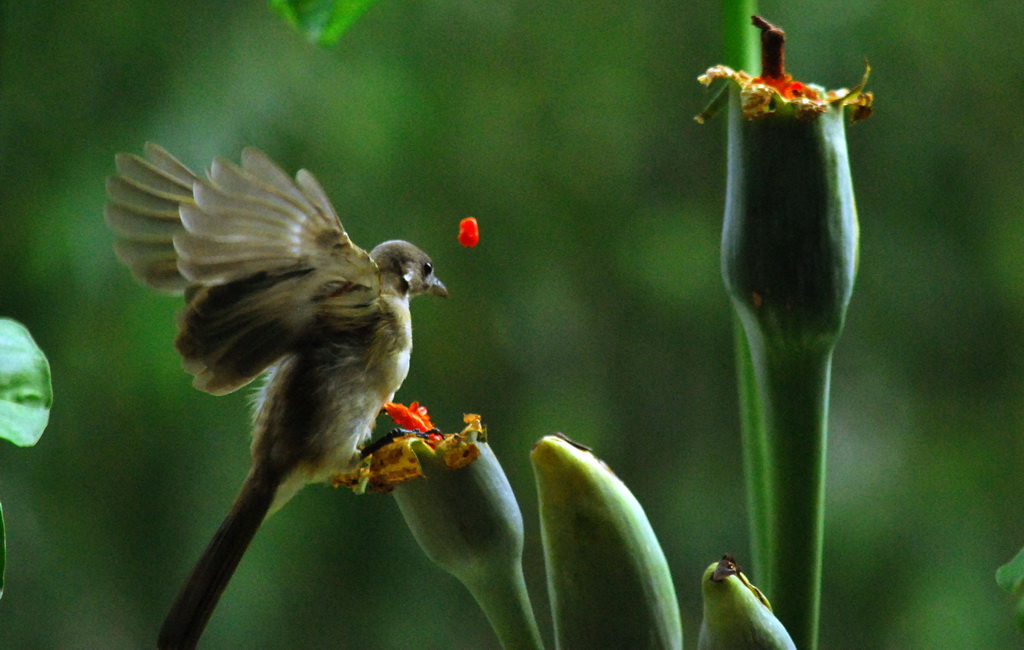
413,417
469,232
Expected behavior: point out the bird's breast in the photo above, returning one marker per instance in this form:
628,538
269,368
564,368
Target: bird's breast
319,405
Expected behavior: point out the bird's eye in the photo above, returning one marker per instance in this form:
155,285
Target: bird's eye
428,268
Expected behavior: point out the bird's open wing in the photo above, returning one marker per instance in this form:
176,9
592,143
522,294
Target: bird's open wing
142,209
261,257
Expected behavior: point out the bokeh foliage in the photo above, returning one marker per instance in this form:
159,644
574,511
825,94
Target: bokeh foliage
593,304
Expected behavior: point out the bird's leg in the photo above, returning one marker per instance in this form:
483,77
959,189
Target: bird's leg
391,436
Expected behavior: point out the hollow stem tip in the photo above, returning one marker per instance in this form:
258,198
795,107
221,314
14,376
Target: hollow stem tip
775,91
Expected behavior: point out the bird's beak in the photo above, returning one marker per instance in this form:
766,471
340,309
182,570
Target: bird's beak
437,288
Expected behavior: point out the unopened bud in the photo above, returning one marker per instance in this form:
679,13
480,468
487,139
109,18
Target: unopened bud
608,579
737,616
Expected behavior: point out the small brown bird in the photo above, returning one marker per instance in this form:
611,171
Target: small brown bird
273,285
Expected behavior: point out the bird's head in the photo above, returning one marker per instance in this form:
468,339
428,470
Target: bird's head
406,270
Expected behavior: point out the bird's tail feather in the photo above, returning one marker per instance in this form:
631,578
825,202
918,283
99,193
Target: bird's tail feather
198,597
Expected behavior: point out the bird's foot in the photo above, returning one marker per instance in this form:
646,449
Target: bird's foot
391,436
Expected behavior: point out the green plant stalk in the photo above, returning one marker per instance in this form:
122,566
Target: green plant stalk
795,401
789,252
26,393
742,51
742,47
322,21
752,435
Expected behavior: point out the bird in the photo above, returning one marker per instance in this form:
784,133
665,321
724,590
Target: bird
273,286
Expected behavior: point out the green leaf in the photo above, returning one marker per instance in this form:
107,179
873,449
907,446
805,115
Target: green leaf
1010,577
25,392
322,21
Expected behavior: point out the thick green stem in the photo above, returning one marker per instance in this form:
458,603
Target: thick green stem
789,259
793,388
506,603
789,249
737,616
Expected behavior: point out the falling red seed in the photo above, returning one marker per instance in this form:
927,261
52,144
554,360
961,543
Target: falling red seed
469,232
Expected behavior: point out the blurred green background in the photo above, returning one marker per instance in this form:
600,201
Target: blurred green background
593,304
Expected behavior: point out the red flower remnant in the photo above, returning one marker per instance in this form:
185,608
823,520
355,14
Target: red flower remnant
786,87
413,417
773,62
469,232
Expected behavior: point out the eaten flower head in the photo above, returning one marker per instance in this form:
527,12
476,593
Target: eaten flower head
776,91
396,458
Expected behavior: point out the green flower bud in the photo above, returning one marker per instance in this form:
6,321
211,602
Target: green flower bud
608,580
467,520
737,616
789,242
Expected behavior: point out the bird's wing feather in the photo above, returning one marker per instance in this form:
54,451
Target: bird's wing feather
264,257
142,208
